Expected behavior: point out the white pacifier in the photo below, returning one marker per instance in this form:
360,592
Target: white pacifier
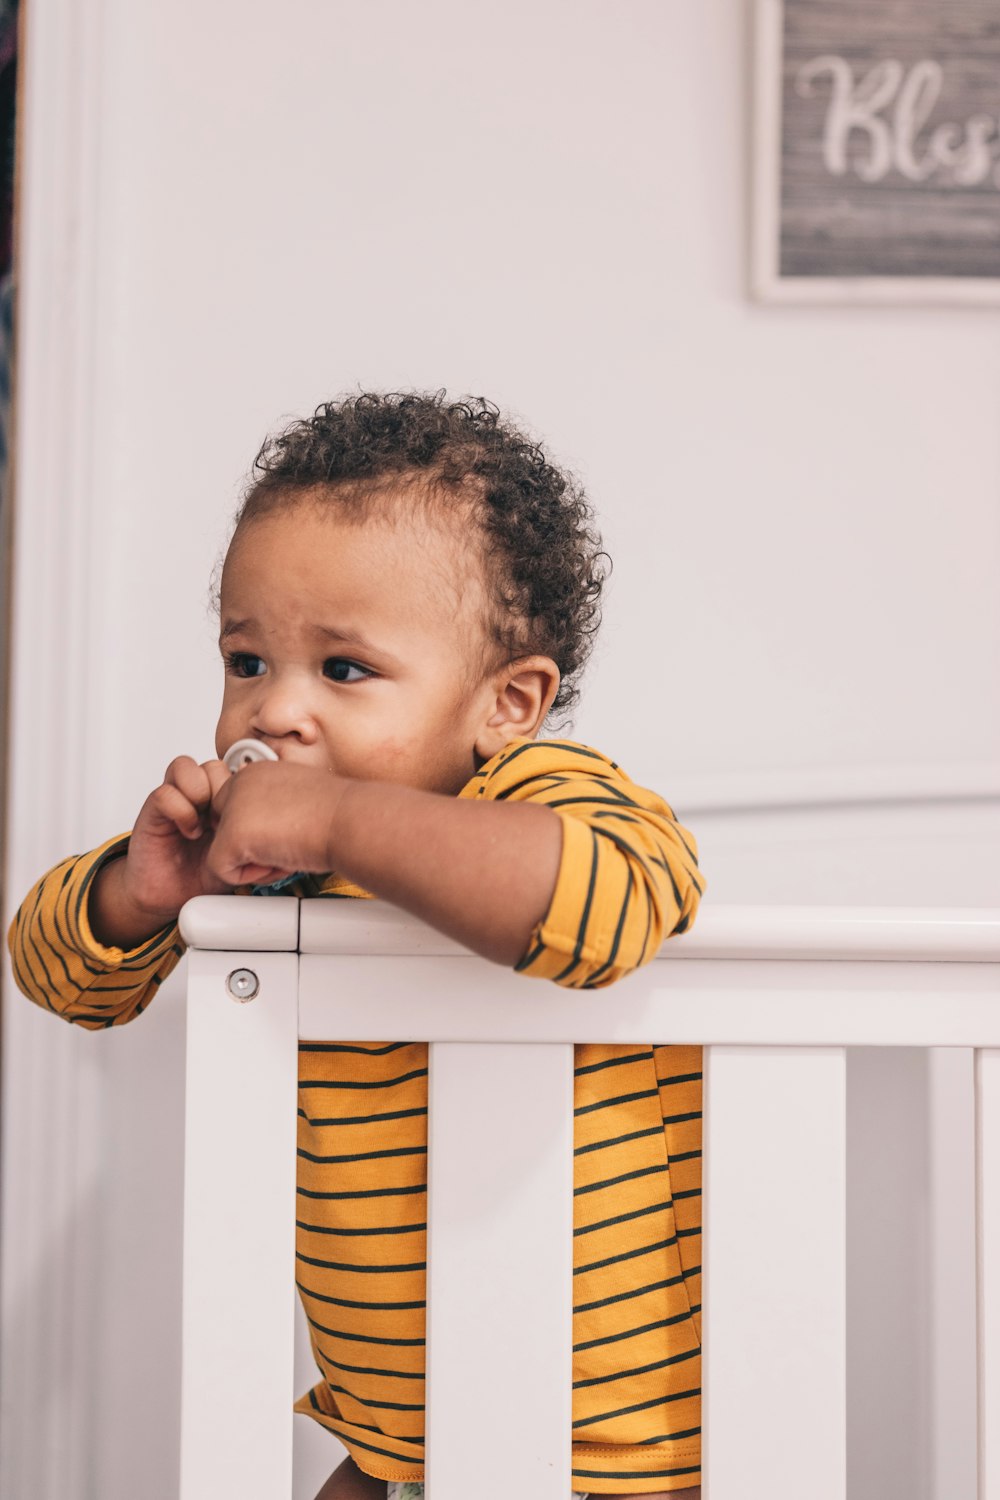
245,752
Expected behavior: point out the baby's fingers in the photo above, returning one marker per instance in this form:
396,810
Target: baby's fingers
194,782
168,804
218,774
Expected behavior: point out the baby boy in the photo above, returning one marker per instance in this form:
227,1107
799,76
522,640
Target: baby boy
410,592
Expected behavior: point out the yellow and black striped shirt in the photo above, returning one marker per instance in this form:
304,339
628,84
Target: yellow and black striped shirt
628,878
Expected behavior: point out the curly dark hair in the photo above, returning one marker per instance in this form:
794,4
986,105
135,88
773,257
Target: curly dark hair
544,563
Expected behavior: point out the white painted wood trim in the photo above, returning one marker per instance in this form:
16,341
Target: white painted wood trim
715,1002
500,1240
827,786
57,319
987,1107
842,933
239,1263
370,927
266,924
775,1257
51,1089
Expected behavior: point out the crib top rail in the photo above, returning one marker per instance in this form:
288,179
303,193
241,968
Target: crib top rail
838,933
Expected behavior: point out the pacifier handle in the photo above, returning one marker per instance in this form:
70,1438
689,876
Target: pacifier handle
245,752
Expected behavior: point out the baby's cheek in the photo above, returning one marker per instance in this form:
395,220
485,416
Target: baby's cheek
401,759
390,757
222,738
228,730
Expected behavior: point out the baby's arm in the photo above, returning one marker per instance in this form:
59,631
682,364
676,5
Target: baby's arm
59,963
96,936
552,860
483,873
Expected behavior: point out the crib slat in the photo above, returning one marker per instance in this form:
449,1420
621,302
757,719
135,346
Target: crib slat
239,1230
774,1290
987,1089
500,1270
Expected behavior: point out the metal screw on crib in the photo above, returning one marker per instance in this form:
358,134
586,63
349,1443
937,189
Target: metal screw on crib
243,985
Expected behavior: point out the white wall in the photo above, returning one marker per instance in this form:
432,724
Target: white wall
547,204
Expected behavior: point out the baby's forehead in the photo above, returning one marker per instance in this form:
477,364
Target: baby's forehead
316,558
435,547
445,517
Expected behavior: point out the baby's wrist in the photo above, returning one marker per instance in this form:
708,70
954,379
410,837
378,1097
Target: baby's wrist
343,794
117,919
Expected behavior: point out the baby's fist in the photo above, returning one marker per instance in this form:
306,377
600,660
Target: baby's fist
166,863
133,898
272,820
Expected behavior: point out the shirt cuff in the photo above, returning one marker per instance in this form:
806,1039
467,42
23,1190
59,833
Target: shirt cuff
76,907
563,931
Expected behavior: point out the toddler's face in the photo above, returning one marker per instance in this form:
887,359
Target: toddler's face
353,646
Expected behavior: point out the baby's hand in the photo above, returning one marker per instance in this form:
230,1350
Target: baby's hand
273,820
166,864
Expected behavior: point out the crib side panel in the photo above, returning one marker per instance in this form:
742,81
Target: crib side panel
987,1121
500,1270
239,1261
775,1319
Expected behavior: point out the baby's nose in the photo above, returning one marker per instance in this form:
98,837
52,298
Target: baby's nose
283,712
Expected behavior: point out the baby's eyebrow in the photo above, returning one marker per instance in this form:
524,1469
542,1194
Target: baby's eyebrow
343,635
346,637
235,627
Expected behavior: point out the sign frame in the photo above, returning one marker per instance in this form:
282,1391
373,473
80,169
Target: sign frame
768,284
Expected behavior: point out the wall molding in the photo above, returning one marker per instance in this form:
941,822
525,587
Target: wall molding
831,786
51,1089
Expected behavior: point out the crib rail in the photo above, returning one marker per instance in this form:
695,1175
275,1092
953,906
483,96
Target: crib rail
774,995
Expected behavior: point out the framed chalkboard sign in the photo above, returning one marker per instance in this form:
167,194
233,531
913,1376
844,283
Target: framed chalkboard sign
877,151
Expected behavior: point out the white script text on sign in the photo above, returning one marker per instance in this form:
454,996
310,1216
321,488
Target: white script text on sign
889,107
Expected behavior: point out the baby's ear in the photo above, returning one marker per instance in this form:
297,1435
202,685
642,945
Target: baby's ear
522,695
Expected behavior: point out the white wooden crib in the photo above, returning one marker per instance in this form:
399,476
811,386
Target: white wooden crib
775,995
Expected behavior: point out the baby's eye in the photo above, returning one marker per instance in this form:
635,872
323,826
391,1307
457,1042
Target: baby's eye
339,669
244,664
